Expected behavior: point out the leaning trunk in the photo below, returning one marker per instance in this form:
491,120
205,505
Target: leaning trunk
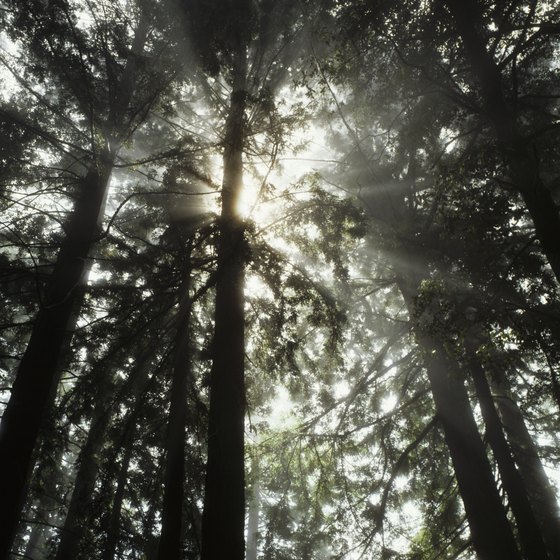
530,535
224,502
525,452
36,381
491,532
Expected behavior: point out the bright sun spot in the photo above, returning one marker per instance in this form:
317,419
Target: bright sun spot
389,403
282,409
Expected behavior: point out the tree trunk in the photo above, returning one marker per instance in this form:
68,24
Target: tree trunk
35,385
530,536
492,535
518,153
114,525
541,492
172,511
224,503
47,504
254,512
77,517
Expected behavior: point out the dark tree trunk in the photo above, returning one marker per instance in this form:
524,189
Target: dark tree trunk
518,152
525,452
172,512
530,535
224,502
79,510
114,524
78,517
491,532
36,380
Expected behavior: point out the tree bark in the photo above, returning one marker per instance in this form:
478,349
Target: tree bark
491,532
224,503
530,535
172,512
517,151
541,492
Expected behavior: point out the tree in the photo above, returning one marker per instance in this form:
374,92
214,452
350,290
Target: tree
35,383
228,50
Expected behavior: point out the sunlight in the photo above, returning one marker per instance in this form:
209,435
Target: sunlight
250,207
389,403
282,406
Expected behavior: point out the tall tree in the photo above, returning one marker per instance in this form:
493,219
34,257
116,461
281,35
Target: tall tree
530,536
35,383
247,30
382,331
540,491
224,502
485,511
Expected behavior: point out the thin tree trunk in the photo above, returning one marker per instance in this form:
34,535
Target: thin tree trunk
151,539
530,535
518,153
541,492
114,525
172,510
254,512
47,505
224,502
77,517
491,532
